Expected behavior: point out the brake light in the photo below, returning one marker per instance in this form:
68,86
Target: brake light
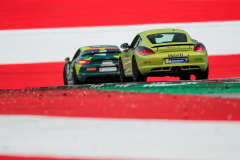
83,62
146,52
199,49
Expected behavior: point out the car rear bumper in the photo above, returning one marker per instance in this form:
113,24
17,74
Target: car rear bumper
98,77
173,69
194,62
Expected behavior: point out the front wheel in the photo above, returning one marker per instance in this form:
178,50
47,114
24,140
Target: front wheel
203,75
123,78
137,76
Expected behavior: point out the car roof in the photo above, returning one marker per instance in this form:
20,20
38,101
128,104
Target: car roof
97,46
100,46
154,31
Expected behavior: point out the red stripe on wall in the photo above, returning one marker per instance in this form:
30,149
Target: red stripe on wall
20,76
46,158
23,14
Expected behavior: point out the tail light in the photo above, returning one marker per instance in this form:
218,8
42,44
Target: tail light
83,62
199,49
144,51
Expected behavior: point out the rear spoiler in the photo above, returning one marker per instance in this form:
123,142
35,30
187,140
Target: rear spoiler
179,44
91,54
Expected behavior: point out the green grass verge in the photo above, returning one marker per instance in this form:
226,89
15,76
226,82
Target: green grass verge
166,87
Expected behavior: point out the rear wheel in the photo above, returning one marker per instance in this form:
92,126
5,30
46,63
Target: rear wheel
203,75
185,77
123,78
137,76
75,78
65,77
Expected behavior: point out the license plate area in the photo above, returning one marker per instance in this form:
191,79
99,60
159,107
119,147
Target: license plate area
175,60
108,69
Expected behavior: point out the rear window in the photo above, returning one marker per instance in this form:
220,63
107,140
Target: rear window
167,38
104,54
106,51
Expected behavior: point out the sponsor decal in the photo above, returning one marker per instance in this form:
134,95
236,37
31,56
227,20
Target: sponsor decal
108,69
148,62
198,59
128,70
91,69
128,63
176,60
107,63
175,55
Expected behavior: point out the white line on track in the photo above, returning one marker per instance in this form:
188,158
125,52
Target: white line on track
50,45
119,138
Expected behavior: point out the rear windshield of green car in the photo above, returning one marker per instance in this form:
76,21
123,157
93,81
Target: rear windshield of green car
105,54
105,51
167,38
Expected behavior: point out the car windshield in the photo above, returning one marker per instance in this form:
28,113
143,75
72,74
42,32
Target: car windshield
105,51
167,38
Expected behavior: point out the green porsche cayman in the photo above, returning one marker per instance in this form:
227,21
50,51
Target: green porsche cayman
92,64
163,52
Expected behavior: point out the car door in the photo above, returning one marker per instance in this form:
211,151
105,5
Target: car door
129,54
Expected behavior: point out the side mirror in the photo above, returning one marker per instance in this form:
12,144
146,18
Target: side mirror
195,41
124,46
67,59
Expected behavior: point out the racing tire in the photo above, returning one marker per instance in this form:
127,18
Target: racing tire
202,75
137,76
185,77
75,78
123,78
65,77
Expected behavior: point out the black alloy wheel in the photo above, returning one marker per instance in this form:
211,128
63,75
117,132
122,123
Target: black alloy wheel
65,77
137,76
203,75
123,78
75,78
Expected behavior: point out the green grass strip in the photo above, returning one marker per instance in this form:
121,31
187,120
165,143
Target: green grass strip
166,87
198,88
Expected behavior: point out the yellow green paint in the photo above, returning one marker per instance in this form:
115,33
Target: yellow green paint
116,57
88,58
84,48
77,67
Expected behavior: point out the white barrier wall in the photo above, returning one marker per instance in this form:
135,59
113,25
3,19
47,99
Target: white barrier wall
50,45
